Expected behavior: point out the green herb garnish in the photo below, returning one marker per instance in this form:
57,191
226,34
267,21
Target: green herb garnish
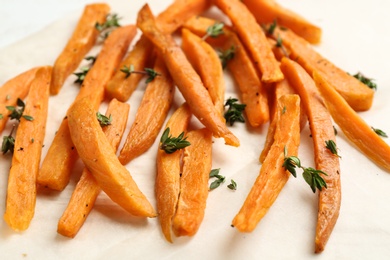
128,70
232,185
226,56
214,30
367,81
331,145
81,75
112,22
234,112
171,144
220,179
379,132
8,142
17,112
103,120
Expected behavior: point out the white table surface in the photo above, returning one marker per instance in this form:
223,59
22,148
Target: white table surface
356,36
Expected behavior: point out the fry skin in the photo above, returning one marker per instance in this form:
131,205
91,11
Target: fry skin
58,164
358,95
273,176
81,41
21,191
321,128
168,21
99,157
253,91
168,172
353,126
13,89
188,82
151,114
253,38
87,189
193,183
268,11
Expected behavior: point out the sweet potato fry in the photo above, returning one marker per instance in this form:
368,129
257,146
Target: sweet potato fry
253,92
168,172
185,77
87,189
193,183
268,11
358,95
82,40
273,176
150,115
352,125
207,64
13,89
321,128
168,21
253,38
21,191
99,157
61,156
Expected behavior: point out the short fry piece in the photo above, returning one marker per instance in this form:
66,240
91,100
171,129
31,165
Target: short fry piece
100,159
21,191
268,11
168,172
253,38
87,189
193,183
207,64
253,91
82,40
353,126
188,82
150,115
168,21
61,156
273,176
358,95
13,89
321,128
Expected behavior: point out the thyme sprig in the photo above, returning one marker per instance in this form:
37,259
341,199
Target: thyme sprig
331,145
310,175
103,120
367,81
214,173
112,22
171,144
17,112
226,56
379,132
214,30
151,73
234,112
84,70
8,142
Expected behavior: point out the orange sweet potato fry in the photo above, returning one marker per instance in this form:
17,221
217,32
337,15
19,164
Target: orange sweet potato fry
168,172
253,38
13,89
187,80
268,11
321,128
168,21
253,91
273,176
352,125
358,95
82,40
193,183
61,156
87,189
21,191
150,115
99,157
207,64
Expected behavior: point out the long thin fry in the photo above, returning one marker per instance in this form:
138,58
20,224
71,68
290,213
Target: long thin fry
193,183
100,159
21,191
207,64
253,91
82,40
185,78
61,156
150,115
253,38
322,131
13,89
353,126
358,95
168,21
87,189
273,176
268,11
168,172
